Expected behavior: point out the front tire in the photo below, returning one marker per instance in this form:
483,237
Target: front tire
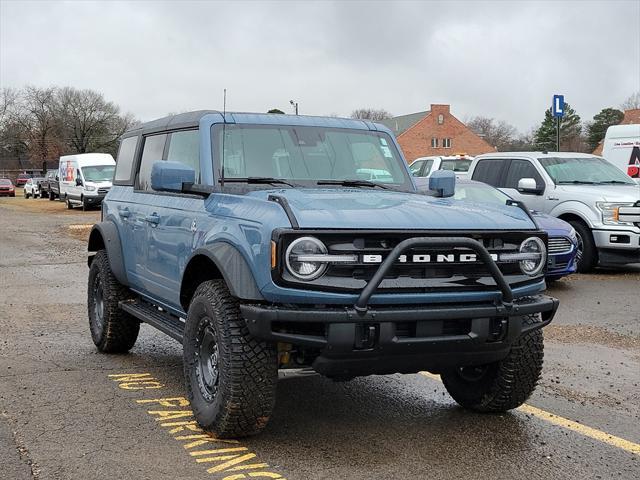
503,385
112,329
587,255
69,204
52,196
230,376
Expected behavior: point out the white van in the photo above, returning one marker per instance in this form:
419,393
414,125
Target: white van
85,178
622,148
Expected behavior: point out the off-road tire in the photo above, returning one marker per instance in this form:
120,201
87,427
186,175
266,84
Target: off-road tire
240,400
589,251
502,385
114,330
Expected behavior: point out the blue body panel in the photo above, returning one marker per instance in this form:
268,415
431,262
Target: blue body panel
560,264
156,253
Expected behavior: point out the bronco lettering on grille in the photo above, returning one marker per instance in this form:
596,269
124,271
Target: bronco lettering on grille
430,258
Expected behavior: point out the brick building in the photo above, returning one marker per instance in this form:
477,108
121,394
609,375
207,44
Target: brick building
631,117
435,132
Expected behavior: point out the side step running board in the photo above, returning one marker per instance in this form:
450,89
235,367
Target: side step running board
147,313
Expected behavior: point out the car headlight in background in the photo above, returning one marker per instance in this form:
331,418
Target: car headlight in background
89,188
534,255
610,212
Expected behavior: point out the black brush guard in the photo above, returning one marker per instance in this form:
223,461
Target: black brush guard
363,339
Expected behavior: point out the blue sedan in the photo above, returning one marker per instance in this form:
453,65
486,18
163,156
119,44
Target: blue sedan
563,243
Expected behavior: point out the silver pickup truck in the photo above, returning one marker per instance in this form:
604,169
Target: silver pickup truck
595,197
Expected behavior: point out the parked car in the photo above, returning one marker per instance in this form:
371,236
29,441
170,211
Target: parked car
22,179
6,188
590,193
85,179
425,166
44,185
563,241
621,147
32,188
311,267
53,186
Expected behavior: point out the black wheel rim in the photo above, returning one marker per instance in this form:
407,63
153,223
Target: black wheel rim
98,306
207,362
579,248
472,374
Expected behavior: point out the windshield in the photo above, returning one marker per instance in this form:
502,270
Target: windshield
308,155
587,170
456,165
4,181
98,173
479,193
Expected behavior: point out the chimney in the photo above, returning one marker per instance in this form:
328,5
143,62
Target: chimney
439,108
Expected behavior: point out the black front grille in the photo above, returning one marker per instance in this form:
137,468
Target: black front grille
420,270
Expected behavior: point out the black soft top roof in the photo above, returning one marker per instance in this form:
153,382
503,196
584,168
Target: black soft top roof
171,122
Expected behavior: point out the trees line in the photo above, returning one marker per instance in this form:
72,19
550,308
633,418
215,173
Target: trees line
575,135
39,124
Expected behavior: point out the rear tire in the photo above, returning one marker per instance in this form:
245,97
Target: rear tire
52,197
503,385
230,376
587,255
112,329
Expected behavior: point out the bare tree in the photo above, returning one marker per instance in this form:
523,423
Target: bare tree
371,114
631,103
497,134
36,116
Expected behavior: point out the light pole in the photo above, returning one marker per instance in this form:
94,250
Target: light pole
294,105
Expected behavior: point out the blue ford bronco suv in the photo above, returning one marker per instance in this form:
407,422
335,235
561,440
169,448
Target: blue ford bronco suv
265,242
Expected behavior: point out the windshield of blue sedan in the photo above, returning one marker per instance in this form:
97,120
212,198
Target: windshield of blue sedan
583,170
479,193
307,155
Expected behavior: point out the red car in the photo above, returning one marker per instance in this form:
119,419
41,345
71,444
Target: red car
22,179
7,188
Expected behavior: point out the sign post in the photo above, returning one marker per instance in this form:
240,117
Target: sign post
557,109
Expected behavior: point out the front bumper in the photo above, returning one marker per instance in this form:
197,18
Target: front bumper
400,339
617,247
93,200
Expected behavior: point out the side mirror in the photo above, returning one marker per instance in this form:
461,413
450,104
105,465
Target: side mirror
443,183
529,185
78,182
169,176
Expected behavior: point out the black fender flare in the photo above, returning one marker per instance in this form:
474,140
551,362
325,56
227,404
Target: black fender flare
105,235
234,270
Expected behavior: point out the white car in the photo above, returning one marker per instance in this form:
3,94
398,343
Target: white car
425,166
85,179
622,148
31,188
596,198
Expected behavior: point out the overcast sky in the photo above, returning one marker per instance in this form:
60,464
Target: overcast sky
499,59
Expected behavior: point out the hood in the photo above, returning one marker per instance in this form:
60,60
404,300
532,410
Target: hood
605,193
552,225
383,209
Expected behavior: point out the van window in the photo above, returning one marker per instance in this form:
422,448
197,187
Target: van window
489,171
184,147
151,153
124,162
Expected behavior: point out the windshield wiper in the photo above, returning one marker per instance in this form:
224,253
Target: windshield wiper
615,181
259,180
353,183
577,182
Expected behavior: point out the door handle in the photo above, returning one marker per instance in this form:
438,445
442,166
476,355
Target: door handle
153,219
551,197
124,213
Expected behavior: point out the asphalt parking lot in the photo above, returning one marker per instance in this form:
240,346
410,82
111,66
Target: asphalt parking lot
68,412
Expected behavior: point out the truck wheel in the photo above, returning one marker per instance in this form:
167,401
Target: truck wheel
230,376
52,197
112,329
503,385
69,204
587,254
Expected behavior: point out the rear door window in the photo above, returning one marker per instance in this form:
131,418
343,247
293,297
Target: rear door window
489,171
124,163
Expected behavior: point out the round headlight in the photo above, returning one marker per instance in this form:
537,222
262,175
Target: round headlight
305,269
533,265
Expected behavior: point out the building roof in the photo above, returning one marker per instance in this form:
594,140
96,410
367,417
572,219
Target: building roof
399,125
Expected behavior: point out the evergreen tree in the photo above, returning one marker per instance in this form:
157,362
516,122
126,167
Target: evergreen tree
597,129
570,131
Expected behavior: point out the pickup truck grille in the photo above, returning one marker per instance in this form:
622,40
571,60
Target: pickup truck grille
559,245
419,270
